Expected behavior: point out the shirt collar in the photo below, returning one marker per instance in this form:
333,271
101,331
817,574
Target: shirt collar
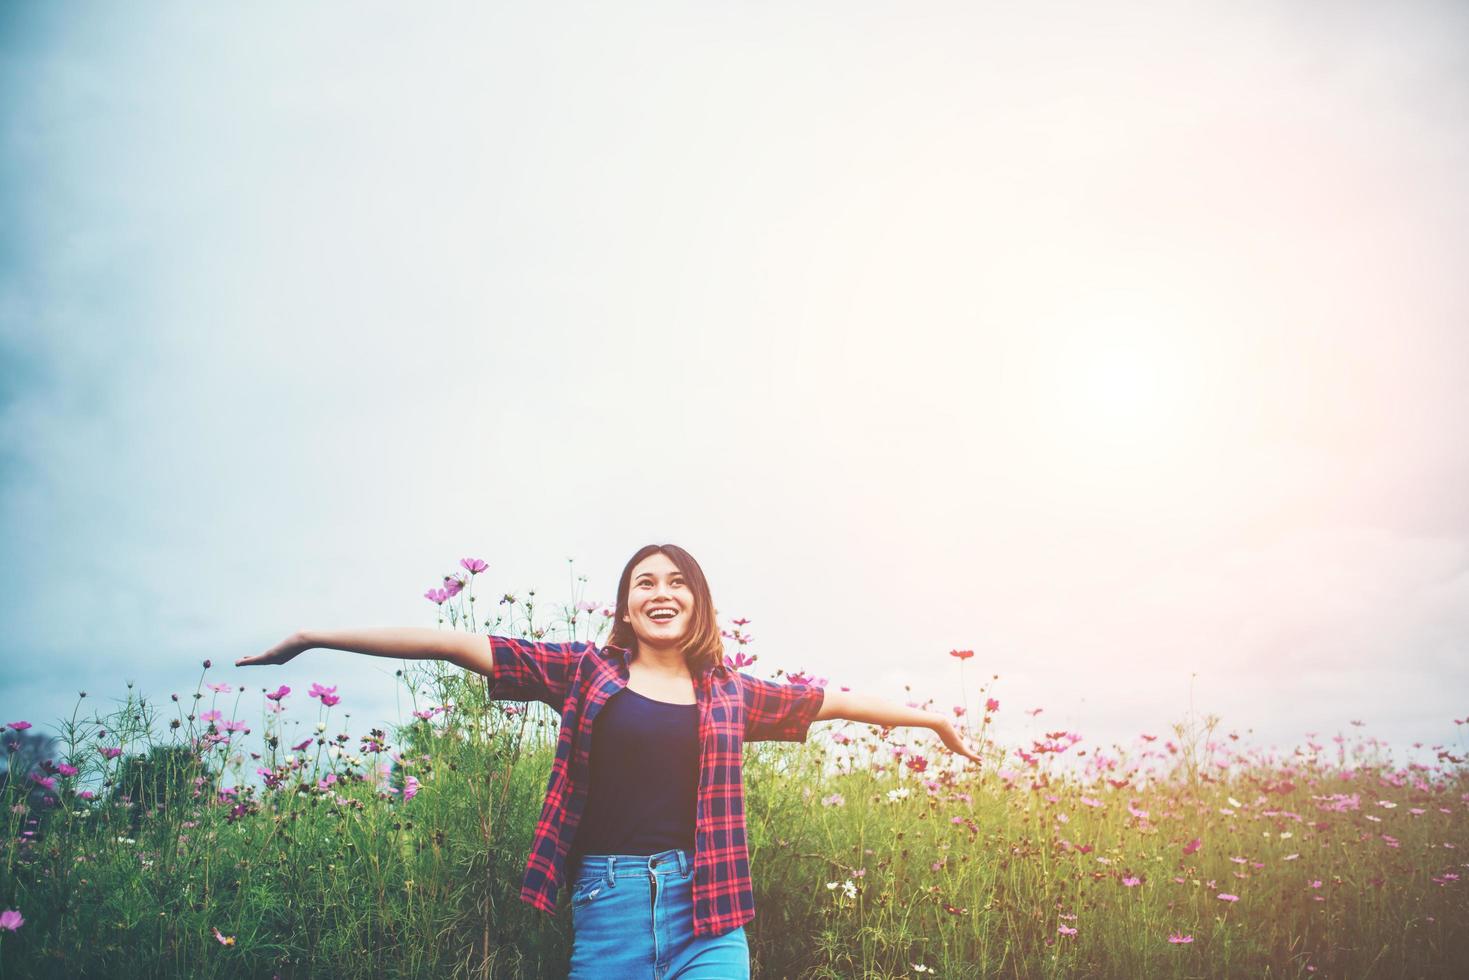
620,654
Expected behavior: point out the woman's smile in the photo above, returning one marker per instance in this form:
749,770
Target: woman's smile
659,601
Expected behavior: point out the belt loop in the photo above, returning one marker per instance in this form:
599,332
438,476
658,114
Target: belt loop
683,863
612,871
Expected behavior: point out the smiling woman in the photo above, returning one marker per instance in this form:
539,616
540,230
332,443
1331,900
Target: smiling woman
644,815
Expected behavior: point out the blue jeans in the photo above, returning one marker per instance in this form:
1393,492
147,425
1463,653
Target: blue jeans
633,917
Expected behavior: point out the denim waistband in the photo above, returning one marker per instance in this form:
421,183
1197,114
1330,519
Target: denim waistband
614,866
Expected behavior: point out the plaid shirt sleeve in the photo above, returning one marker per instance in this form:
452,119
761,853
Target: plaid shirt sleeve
779,712
525,670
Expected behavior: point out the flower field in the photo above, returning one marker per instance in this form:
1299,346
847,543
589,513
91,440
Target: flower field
224,832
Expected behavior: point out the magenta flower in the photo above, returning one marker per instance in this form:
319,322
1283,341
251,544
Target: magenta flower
86,794
66,769
47,781
109,752
1192,846
740,660
453,586
19,726
301,745
437,596
1223,897
1132,882
473,565
410,788
1179,937
280,692
991,705
11,919
318,690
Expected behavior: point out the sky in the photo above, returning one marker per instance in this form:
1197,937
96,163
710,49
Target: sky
1124,344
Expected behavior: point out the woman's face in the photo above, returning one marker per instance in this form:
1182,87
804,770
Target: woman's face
660,605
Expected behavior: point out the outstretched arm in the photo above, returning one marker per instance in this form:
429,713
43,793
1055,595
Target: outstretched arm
876,711
466,650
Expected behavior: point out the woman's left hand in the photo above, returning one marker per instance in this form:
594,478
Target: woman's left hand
953,741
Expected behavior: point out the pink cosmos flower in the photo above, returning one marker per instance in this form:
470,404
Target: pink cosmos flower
1192,846
301,745
961,654
108,752
66,769
235,726
1066,930
1179,937
1224,897
740,660
11,920
1132,882
437,596
1316,884
210,717
223,939
410,788
86,794
453,586
279,693
473,565
220,688
19,726
1091,802
991,705
40,780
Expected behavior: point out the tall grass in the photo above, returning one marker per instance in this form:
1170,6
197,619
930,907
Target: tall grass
201,851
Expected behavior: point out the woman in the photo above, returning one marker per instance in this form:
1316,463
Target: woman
644,814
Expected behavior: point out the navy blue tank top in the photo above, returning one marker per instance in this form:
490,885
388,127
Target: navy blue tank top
645,777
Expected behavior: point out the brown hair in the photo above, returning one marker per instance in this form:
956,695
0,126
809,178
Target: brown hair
703,645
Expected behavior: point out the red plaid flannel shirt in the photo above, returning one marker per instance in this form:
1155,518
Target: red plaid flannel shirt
577,679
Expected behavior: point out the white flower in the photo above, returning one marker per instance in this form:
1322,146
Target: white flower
1286,835
320,727
1386,803
1234,803
126,840
850,888
894,795
920,968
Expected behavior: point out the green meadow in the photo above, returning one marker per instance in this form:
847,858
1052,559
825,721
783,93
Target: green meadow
244,833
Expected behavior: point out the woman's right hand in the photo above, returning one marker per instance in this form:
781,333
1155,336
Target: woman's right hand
289,648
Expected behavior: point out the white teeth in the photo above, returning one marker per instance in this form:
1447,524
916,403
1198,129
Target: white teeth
662,615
